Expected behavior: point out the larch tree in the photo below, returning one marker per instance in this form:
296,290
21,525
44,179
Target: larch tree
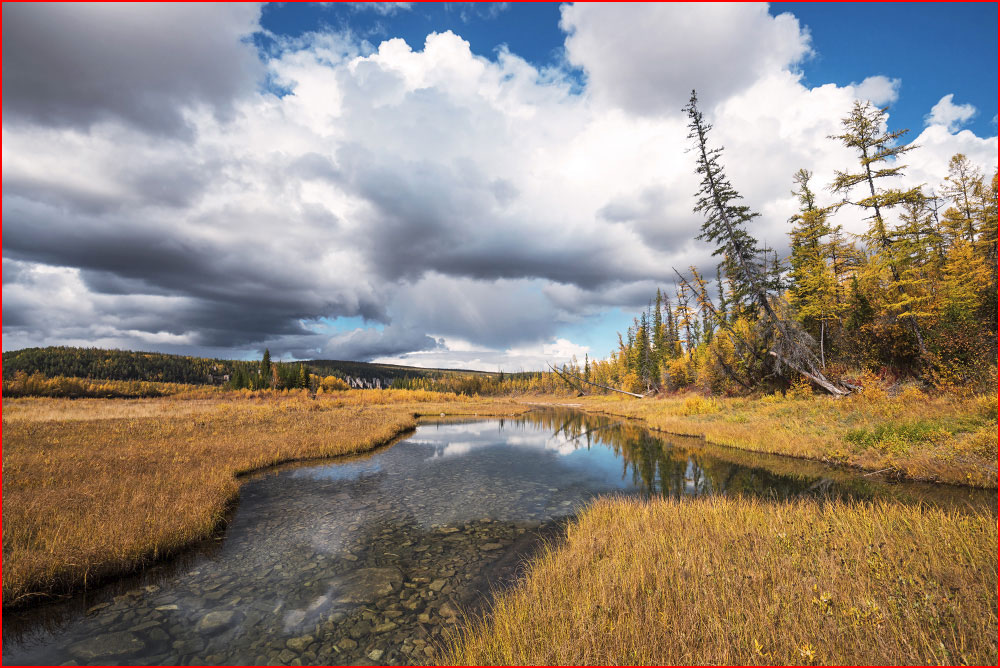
865,130
964,180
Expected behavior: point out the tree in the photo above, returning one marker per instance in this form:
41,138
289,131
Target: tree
783,342
658,334
814,288
964,180
265,368
865,131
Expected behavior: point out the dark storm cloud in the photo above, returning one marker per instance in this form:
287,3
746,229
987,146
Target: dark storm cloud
232,296
367,344
79,64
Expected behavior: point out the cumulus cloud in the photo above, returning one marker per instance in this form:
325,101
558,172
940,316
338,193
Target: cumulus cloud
468,209
880,90
74,65
647,57
950,115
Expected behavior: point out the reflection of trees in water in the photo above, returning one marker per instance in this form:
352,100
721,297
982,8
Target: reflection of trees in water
658,467
672,468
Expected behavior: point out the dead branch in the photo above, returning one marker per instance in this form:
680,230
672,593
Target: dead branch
631,394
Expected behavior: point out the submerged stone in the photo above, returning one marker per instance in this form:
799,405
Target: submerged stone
121,643
366,585
216,621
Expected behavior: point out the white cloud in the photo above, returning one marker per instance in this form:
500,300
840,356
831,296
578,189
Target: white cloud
880,90
950,115
647,57
382,8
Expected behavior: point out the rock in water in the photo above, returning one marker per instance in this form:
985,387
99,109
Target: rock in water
216,621
120,643
366,585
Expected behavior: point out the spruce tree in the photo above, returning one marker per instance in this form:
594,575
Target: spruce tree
265,369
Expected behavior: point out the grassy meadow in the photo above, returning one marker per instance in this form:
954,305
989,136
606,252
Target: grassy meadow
717,580
943,438
98,487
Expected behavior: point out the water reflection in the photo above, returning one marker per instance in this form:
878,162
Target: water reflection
368,558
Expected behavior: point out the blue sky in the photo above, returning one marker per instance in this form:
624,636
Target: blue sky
448,185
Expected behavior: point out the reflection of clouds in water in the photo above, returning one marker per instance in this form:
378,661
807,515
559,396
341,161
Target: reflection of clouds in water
340,471
446,445
432,431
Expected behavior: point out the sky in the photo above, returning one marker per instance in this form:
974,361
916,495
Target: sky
451,185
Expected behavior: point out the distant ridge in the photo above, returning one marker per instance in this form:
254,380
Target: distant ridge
105,364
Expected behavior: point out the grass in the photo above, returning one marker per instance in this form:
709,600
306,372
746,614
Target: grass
717,580
912,435
94,488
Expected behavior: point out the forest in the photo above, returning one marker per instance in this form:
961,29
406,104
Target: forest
914,296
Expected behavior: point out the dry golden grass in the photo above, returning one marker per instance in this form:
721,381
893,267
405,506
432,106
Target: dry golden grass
98,487
913,435
734,581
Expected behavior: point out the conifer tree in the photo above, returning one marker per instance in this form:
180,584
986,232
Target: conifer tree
865,131
814,288
964,180
658,334
265,369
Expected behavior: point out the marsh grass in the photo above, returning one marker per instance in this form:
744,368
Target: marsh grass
717,580
94,488
913,435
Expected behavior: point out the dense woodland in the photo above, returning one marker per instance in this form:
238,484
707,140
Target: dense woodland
914,296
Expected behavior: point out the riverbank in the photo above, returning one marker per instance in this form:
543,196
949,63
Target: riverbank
96,488
912,435
718,580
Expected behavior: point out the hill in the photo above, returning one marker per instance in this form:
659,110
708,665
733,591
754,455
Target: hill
102,364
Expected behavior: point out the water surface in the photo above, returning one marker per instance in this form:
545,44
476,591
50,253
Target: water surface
374,558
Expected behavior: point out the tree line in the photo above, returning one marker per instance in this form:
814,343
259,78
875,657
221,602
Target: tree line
914,295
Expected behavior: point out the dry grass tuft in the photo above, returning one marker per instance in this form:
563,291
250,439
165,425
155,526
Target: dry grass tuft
734,581
98,487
